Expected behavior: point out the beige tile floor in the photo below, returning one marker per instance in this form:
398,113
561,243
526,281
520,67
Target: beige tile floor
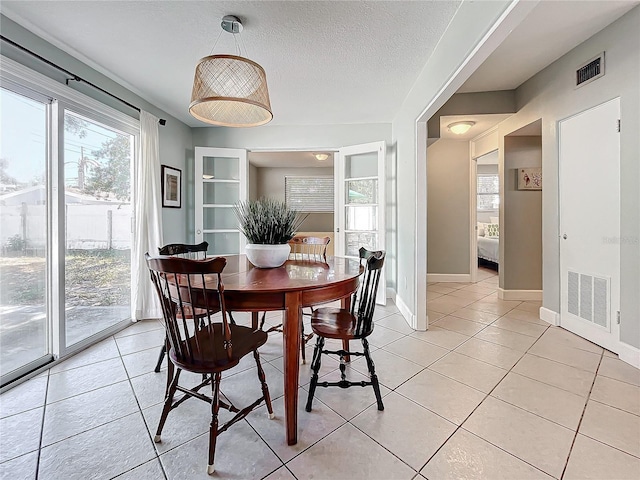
490,391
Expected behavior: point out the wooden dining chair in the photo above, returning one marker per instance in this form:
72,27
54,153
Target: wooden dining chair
181,250
353,324
202,344
311,249
185,250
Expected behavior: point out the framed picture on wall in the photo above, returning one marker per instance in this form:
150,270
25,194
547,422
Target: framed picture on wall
530,178
171,187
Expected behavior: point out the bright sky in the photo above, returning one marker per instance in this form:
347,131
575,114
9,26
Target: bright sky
23,136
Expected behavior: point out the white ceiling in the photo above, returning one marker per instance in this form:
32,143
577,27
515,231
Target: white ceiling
332,62
552,29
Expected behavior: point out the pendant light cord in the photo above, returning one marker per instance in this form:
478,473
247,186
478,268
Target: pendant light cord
216,42
238,44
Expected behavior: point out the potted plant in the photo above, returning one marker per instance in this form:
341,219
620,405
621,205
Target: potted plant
268,225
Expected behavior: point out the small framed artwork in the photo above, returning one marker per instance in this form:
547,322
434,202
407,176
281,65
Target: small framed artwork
530,178
171,187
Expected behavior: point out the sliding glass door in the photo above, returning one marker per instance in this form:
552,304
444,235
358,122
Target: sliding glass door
24,252
65,220
97,216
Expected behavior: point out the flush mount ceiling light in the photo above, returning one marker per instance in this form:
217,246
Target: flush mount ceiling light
460,128
321,156
230,90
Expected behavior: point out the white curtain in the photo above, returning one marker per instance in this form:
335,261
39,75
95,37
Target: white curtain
148,219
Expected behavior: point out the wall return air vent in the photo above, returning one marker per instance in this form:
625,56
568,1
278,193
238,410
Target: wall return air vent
590,70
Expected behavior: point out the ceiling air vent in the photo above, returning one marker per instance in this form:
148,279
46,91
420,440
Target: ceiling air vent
589,71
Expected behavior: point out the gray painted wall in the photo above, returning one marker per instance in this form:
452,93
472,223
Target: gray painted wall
551,95
253,182
482,103
448,213
176,142
270,183
314,137
521,228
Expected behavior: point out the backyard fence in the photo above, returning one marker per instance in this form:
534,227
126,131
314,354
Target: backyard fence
89,227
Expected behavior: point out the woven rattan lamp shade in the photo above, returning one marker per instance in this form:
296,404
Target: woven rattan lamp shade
230,91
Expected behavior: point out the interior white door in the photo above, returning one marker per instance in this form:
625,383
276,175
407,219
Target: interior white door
359,174
589,160
221,181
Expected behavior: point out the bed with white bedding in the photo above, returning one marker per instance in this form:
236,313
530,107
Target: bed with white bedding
488,248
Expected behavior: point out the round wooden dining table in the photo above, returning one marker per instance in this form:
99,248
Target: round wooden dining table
296,284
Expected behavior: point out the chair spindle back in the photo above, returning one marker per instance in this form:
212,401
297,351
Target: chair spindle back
364,301
183,250
313,249
181,285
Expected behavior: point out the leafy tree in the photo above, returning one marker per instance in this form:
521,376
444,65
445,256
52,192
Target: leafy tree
111,174
4,175
75,125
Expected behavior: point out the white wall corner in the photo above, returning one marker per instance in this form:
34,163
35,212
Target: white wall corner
522,295
549,316
406,312
629,354
446,277
391,294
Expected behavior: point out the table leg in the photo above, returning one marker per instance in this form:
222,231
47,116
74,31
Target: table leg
345,304
291,347
254,320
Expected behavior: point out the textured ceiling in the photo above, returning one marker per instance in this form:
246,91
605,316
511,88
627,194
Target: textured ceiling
327,62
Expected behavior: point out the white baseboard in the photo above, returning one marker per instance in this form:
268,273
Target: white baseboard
629,354
549,316
406,312
448,277
521,295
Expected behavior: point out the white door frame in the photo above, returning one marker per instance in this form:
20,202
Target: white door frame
243,170
476,151
503,26
473,215
380,149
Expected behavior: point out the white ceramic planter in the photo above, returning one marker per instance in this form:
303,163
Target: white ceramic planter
267,256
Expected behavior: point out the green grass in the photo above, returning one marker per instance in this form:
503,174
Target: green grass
93,278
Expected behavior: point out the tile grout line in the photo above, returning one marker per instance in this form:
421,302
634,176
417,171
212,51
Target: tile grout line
44,411
284,464
619,409
584,409
144,420
417,472
478,406
349,420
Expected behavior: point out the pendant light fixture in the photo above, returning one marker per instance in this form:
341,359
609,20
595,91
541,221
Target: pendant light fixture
230,90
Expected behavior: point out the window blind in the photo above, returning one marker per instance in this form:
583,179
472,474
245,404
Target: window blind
309,194
488,192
